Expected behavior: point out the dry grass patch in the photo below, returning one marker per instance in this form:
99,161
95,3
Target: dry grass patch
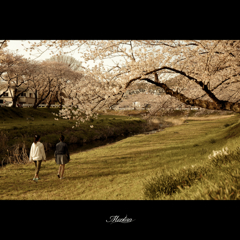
203,118
117,171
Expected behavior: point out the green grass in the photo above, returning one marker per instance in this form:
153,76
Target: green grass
215,179
131,167
20,125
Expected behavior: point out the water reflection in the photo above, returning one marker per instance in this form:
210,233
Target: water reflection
75,148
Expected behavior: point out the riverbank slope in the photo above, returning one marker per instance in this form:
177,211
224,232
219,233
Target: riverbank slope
19,125
119,171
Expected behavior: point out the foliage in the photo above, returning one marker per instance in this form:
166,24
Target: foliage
46,79
169,183
120,170
3,145
219,180
202,73
68,60
17,130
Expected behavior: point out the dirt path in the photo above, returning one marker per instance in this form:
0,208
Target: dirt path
209,117
181,120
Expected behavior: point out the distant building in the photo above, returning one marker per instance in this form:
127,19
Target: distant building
136,105
25,98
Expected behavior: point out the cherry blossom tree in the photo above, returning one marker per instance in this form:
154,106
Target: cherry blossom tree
208,71
48,79
64,75
68,72
37,83
3,44
62,90
43,81
7,62
70,61
14,71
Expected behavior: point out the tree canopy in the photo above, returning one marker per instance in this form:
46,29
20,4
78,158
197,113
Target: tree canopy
70,61
45,78
207,70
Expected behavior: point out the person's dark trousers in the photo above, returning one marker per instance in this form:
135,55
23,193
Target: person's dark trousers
37,166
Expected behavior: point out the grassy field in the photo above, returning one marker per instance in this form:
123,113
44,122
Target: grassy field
131,169
18,126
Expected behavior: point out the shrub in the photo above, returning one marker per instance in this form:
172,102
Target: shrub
3,146
224,191
223,157
18,154
169,183
212,140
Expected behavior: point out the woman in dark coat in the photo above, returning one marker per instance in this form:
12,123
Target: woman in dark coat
61,156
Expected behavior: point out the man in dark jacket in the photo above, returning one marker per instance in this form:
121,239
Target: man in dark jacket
61,156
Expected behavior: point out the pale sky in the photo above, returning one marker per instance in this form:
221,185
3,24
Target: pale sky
14,45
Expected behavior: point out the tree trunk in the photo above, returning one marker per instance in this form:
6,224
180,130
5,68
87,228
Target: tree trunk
14,99
61,103
214,105
35,100
40,101
1,95
14,102
59,99
49,104
37,104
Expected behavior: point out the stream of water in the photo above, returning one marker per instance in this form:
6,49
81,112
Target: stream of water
75,148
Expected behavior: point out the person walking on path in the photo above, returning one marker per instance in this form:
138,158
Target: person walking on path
61,156
37,154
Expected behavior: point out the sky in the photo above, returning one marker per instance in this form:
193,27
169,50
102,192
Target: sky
16,45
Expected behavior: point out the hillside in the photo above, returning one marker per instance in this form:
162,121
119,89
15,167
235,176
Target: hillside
143,98
148,94
136,168
19,125
145,93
